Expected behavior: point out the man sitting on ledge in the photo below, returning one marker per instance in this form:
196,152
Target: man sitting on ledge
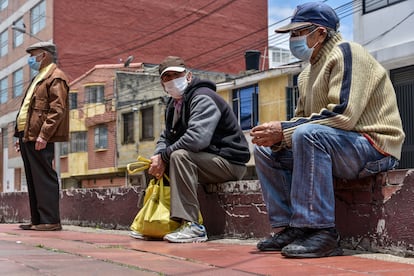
346,125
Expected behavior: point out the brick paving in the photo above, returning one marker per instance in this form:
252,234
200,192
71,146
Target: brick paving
88,251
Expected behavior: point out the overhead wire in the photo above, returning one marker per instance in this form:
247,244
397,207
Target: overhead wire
347,9
163,27
170,32
274,39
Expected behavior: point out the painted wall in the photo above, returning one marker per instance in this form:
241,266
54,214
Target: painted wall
391,43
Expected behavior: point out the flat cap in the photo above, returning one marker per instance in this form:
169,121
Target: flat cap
171,63
47,46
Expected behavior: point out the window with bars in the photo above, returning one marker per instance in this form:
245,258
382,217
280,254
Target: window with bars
78,142
403,81
94,93
147,124
73,100
292,95
64,148
101,137
38,18
128,131
246,106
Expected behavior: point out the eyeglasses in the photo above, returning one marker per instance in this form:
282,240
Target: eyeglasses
302,31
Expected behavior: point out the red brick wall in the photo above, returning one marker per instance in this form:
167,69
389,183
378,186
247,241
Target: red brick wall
211,37
104,183
101,159
64,164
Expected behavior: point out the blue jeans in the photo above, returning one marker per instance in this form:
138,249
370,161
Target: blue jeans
297,183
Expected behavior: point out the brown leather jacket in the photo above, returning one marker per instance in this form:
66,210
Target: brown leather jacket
48,114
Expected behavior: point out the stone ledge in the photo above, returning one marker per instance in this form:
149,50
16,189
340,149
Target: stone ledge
373,214
376,213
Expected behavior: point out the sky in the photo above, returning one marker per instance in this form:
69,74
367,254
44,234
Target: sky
280,12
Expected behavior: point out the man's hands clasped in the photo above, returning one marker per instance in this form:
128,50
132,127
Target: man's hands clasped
267,134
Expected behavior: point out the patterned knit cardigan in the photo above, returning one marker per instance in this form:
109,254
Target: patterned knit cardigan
346,88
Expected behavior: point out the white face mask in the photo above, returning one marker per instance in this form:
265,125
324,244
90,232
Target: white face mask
176,87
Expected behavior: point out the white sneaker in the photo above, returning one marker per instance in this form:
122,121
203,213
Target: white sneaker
188,232
136,235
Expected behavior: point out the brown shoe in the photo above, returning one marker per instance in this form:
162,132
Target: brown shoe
27,226
47,227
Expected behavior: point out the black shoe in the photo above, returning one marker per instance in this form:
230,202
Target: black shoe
47,227
279,240
316,244
26,226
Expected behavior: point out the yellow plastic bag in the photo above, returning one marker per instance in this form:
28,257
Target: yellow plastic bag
153,219
141,165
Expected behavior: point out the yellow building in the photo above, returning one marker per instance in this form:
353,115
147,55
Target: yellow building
262,96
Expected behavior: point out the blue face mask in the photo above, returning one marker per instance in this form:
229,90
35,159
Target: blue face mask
299,47
33,64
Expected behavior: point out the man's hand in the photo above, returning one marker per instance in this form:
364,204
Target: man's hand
157,167
267,134
17,146
40,143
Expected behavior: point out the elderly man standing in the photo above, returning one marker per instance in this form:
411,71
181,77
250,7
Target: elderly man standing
346,125
43,119
202,143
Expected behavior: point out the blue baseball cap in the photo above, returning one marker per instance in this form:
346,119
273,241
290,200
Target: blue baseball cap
312,13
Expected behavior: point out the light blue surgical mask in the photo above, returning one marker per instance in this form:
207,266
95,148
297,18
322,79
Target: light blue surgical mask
33,63
299,47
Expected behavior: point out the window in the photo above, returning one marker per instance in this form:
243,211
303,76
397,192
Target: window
94,94
128,123
101,137
3,4
38,18
33,73
73,100
18,83
281,56
4,43
147,125
3,90
292,95
372,5
18,36
78,141
64,148
245,106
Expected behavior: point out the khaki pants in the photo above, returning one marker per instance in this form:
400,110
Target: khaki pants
187,170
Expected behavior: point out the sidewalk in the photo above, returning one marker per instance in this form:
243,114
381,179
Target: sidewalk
87,251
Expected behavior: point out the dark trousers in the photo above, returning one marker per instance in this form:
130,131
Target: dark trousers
42,182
